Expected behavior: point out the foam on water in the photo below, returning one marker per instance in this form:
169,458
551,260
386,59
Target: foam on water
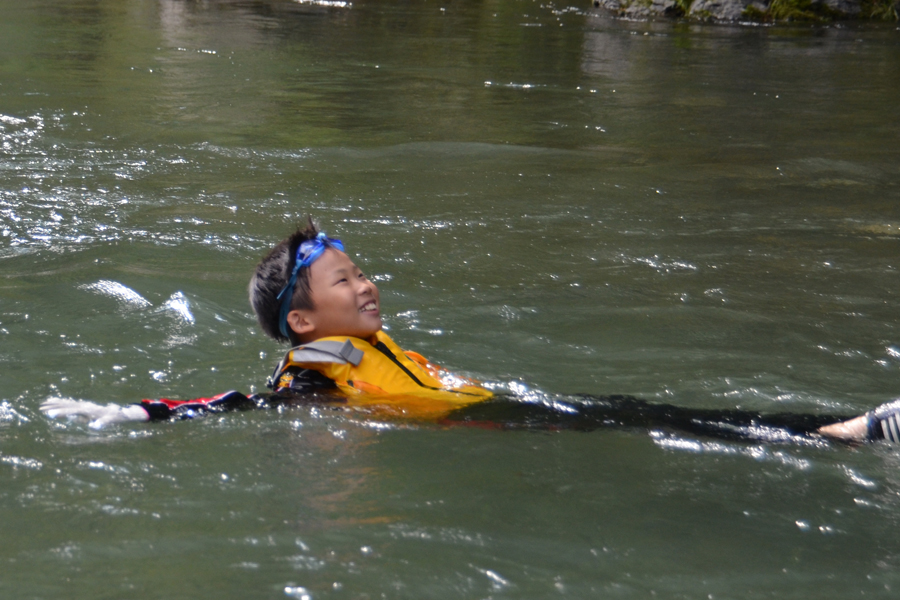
179,305
120,292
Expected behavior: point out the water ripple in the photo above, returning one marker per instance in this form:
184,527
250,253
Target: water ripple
117,291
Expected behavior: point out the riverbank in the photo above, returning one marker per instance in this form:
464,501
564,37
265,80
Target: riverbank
756,10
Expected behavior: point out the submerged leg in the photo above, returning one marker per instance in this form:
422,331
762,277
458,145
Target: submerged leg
586,413
881,423
855,429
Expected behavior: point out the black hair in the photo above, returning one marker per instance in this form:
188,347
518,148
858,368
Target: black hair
272,274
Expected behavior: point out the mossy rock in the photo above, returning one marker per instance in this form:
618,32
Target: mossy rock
793,10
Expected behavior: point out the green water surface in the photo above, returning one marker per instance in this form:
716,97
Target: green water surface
548,198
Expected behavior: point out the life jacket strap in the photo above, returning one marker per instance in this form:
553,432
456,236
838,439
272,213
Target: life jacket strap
327,352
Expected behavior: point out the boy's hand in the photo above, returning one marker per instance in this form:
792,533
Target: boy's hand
98,415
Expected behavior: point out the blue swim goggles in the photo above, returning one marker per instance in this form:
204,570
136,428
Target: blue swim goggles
307,254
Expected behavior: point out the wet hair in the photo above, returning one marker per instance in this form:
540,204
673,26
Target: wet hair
272,274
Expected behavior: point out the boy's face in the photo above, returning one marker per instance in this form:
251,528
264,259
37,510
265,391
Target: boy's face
345,301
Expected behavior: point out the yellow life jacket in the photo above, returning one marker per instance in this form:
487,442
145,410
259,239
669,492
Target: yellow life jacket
378,377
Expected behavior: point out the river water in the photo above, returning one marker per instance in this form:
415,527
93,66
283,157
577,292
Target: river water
549,199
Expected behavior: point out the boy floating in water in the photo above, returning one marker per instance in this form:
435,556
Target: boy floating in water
308,292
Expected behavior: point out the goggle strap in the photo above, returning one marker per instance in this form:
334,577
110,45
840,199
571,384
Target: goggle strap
307,253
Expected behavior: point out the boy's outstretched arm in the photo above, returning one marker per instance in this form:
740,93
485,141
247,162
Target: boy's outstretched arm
148,410
98,414
163,409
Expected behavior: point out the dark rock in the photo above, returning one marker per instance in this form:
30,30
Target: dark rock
669,8
638,9
758,6
721,10
728,10
613,5
849,8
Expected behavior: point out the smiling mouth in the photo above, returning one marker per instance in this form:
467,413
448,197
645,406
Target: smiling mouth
369,307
